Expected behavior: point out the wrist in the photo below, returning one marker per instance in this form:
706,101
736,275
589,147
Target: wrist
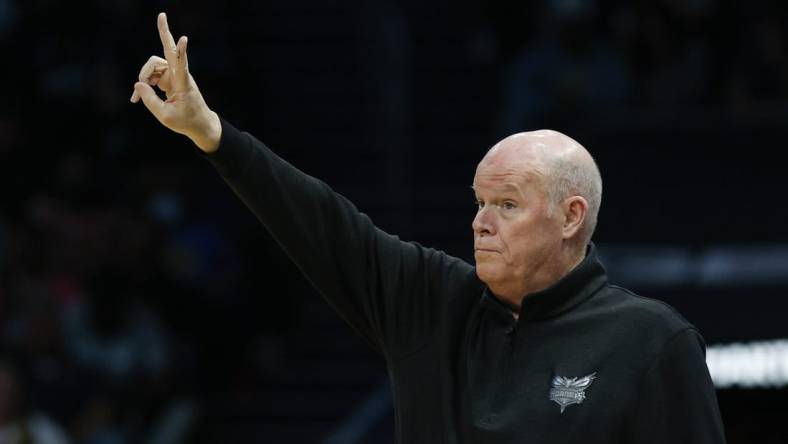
209,140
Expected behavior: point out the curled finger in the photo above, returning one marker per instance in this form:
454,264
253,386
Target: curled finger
150,73
154,65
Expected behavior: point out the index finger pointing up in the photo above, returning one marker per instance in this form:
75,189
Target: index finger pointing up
167,42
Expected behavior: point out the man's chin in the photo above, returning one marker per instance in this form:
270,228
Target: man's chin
486,272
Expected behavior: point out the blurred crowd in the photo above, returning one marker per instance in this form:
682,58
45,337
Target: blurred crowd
667,56
123,268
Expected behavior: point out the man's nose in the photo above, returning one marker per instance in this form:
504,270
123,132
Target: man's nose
483,223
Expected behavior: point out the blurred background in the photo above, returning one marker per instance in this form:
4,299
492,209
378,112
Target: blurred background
140,302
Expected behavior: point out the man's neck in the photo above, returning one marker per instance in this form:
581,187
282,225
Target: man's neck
513,293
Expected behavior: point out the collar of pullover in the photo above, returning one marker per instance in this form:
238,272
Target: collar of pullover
577,286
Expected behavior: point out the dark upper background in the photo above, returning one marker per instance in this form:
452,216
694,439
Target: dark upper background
136,290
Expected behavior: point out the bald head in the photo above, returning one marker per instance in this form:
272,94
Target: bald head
560,163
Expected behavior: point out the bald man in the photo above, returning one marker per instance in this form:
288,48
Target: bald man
544,189
530,345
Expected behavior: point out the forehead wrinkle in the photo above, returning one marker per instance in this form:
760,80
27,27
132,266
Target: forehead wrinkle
508,175
505,186
502,188
511,163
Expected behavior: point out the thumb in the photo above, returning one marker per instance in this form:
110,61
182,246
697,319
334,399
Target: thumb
154,104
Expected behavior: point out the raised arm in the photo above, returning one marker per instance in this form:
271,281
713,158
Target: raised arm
394,293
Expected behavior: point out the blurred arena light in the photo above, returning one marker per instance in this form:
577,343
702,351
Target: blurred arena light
761,364
671,266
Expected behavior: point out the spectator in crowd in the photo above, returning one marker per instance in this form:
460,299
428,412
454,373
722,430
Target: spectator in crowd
18,424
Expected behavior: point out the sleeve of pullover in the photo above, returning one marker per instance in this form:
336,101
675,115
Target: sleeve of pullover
391,292
678,403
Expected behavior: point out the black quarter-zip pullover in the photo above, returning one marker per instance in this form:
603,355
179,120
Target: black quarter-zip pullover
586,362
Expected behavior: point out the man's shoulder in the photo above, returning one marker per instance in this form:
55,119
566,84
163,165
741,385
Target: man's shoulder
652,315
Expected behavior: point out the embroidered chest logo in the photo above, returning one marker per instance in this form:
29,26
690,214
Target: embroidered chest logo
568,391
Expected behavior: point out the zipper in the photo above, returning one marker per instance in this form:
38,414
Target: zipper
502,388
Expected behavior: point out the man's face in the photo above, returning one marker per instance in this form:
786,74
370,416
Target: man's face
516,229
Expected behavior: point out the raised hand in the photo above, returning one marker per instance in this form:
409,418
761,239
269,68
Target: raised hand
184,111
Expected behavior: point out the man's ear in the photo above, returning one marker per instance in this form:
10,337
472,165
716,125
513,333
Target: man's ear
574,209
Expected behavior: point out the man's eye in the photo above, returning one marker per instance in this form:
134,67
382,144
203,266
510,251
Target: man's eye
479,203
508,205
